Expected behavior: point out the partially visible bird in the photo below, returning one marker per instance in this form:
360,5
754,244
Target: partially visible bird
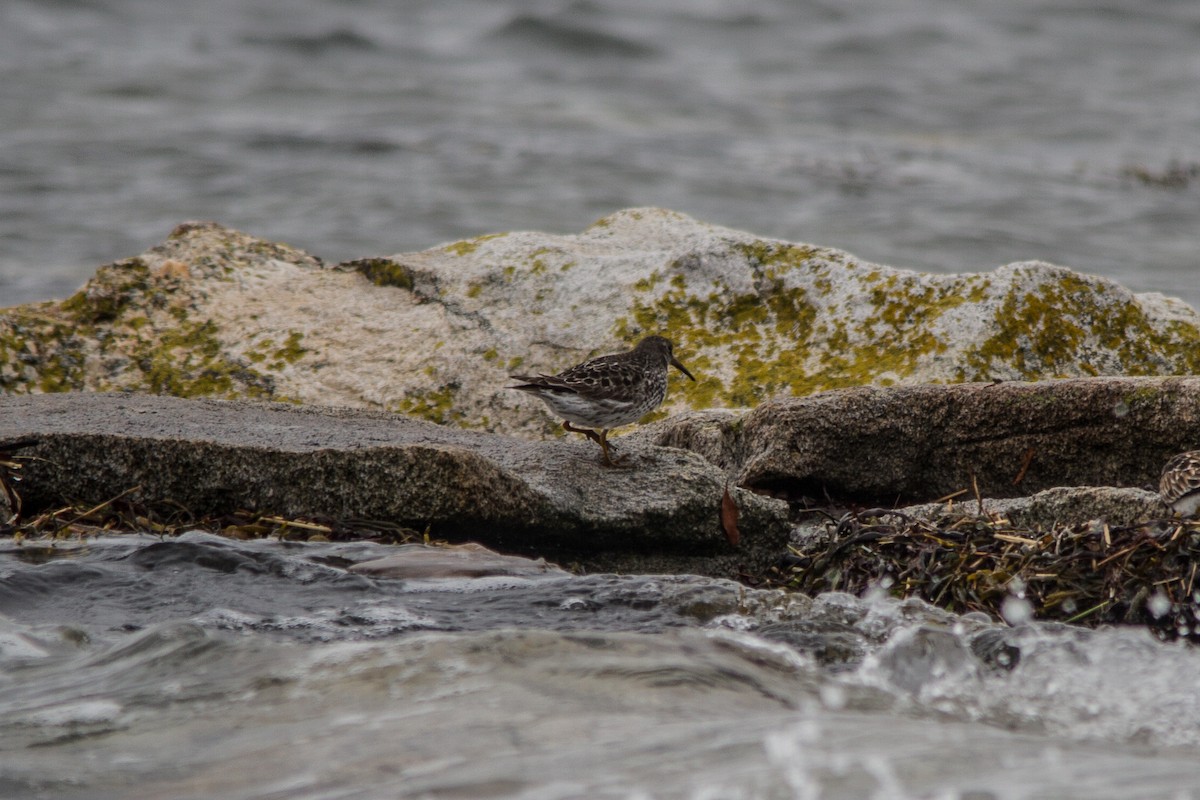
608,391
1179,485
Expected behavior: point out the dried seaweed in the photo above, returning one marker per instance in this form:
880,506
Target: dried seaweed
1090,574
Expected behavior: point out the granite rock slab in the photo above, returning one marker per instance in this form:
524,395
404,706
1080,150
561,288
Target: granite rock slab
548,499
894,446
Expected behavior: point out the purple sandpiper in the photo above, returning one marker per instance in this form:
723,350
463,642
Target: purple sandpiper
608,391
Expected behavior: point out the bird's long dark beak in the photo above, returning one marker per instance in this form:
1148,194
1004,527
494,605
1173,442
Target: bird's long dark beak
675,363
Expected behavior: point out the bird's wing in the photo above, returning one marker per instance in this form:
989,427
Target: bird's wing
602,373
533,383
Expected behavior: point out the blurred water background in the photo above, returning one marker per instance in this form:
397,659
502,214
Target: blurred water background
944,135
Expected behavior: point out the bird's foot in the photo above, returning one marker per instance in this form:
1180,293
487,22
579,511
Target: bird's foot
608,460
613,461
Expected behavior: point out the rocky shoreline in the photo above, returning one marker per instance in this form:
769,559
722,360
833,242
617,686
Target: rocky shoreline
1005,396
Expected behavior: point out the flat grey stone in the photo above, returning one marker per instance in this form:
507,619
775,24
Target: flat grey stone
551,499
910,444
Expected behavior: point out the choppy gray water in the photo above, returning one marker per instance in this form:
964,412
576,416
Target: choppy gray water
203,667
948,135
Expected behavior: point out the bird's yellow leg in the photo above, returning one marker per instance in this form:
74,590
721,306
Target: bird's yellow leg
604,446
595,437
601,439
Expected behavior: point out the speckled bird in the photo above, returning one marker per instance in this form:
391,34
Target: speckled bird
1179,485
608,391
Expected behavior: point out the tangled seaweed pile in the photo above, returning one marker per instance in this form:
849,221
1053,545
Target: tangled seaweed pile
1090,574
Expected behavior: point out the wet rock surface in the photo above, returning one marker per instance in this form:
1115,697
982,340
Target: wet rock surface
550,499
1043,454
468,560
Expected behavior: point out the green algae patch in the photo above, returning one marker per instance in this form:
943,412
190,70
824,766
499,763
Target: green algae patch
539,260
817,320
383,272
771,255
650,281
48,354
746,327
277,356
784,338
291,350
143,324
130,330
900,330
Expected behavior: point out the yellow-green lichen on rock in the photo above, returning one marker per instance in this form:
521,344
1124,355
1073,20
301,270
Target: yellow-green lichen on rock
815,319
1063,327
41,350
468,246
434,405
140,325
382,272
799,328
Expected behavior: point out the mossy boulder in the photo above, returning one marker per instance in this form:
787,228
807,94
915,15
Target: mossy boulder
213,312
165,322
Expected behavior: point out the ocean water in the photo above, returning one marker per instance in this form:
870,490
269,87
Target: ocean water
943,135
201,667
